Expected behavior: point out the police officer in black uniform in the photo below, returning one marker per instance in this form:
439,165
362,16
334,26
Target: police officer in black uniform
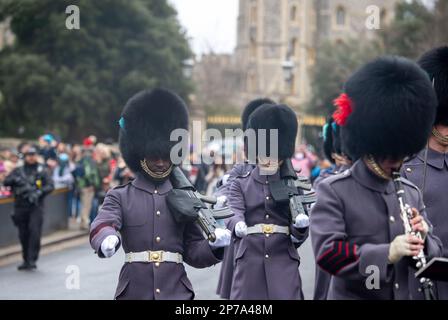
30,184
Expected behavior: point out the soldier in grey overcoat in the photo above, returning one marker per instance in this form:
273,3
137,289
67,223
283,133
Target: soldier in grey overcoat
266,260
334,152
227,266
136,215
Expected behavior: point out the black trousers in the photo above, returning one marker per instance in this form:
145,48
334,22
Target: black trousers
29,222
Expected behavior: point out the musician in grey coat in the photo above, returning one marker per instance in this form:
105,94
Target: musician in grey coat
357,232
429,169
136,215
335,153
266,260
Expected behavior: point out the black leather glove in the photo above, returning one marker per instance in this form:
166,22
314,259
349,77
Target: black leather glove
183,207
19,181
34,197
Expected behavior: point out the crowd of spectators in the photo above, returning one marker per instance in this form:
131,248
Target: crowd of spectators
88,170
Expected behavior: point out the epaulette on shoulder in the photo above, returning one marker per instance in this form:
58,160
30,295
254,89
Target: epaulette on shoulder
245,173
223,181
241,169
339,176
409,183
121,186
415,159
303,178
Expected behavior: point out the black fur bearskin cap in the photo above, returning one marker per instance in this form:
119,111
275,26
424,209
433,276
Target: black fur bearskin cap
280,117
332,140
435,63
146,124
393,109
251,107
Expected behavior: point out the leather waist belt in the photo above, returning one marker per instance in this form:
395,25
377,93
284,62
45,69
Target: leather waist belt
267,229
153,256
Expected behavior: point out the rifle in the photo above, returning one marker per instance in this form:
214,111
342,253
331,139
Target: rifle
291,189
187,205
25,187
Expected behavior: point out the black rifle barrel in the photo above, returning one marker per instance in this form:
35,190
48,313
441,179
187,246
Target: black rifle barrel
206,219
289,175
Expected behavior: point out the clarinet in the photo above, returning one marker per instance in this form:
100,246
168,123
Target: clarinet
407,215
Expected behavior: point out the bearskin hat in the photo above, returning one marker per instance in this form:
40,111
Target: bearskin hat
251,107
146,123
280,117
332,139
435,63
387,110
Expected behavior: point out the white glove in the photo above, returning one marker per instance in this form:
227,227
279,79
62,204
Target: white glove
404,245
225,179
221,202
241,229
302,221
223,237
108,245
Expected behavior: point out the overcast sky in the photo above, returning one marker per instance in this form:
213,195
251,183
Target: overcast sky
211,24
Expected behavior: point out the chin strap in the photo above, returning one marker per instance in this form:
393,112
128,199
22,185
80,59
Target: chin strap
443,140
372,164
155,175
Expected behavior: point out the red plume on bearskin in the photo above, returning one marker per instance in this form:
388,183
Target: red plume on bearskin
344,106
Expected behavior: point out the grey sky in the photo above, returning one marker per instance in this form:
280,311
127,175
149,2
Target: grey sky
211,24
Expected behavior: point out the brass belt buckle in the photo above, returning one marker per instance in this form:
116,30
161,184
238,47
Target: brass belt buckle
268,228
155,256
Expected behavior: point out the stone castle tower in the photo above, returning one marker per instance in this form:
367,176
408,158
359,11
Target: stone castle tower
277,41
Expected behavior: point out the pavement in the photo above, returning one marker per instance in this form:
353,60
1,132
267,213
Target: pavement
69,270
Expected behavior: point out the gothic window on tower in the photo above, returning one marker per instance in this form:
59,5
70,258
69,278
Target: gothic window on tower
293,13
383,15
340,16
253,14
293,47
292,85
253,48
311,56
251,83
